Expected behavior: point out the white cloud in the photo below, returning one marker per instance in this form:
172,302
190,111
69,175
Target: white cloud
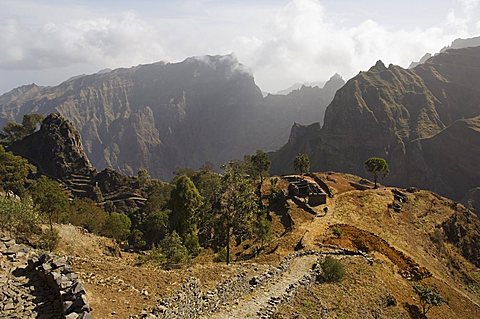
103,41
306,44
469,5
303,41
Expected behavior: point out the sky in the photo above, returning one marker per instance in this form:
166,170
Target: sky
280,41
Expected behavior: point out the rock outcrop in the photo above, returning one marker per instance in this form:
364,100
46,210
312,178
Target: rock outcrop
55,149
57,152
423,121
163,116
472,200
462,230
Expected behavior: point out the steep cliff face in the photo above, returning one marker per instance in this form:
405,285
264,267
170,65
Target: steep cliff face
407,117
55,149
163,116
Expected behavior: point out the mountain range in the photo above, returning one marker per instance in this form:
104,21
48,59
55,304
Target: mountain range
163,116
424,121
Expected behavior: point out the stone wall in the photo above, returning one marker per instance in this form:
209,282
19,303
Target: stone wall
34,286
191,302
59,275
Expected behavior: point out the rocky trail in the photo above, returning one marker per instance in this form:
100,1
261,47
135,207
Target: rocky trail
258,303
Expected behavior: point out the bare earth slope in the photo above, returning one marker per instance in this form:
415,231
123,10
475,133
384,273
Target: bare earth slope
424,238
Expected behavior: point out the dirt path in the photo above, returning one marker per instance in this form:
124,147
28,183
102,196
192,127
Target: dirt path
250,304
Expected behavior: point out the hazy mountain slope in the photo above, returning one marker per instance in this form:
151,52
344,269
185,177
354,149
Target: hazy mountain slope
383,111
163,116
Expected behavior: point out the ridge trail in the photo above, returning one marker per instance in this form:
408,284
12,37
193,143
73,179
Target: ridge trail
248,306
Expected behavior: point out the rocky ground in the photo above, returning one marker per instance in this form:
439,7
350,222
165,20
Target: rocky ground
23,294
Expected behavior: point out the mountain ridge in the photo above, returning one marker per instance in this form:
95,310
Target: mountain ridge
162,116
382,111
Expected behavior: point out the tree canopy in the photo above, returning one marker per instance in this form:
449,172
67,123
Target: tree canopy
13,172
185,201
301,163
14,131
258,165
429,297
238,204
50,198
378,167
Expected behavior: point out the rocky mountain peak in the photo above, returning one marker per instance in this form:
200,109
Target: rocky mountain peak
334,83
56,148
378,67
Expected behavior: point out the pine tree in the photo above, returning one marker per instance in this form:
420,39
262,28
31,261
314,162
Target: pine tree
185,201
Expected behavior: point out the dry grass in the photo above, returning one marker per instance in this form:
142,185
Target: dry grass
115,284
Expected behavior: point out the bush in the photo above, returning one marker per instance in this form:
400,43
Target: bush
192,244
429,297
50,198
175,252
18,216
117,226
85,213
337,232
155,256
221,255
49,240
135,239
332,270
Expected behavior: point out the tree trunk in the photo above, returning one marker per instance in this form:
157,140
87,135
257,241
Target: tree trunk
228,239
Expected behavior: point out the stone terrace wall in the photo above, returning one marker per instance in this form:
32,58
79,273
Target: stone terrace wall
59,275
191,302
33,286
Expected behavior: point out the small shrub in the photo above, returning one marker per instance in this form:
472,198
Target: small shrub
192,244
154,256
332,270
18,216
429,297
49,240
87,214
135,239
117,226
221,255
337,232
175,252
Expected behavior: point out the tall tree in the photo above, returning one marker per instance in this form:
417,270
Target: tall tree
185,201
301,163
378,167
209,185
143,177
151,222
49,197
13,172
238,204
258,165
